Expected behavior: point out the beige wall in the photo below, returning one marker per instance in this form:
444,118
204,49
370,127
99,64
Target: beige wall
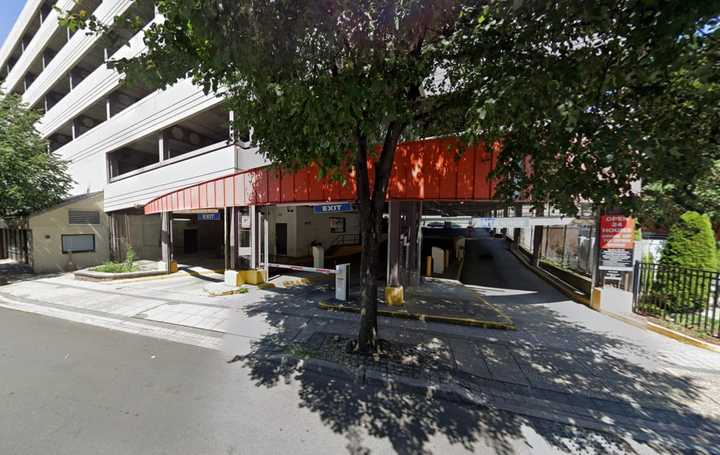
47,228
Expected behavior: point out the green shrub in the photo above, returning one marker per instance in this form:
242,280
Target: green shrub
690,245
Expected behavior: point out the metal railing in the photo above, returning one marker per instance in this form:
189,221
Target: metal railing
684,296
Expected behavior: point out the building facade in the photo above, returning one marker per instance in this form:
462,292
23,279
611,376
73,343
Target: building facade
125,144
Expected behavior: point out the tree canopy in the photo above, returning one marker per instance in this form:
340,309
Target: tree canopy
31,178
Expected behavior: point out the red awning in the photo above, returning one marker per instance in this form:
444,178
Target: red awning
430,169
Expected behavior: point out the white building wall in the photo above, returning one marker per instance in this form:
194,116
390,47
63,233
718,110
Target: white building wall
306,227
27,14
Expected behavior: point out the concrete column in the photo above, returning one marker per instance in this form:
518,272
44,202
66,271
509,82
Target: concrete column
74,129
166,240
393,254
517,232
266,243
70,80
234,225
538,238
394,294
414,214
108,110
231,126
253,237
162,147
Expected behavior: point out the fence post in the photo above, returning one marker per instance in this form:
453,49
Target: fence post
636,282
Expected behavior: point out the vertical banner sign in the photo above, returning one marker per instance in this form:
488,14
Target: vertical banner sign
617,243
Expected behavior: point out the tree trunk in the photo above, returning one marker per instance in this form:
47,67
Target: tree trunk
371,202
371,228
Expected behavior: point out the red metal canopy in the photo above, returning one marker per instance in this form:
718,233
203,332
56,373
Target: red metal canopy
430,169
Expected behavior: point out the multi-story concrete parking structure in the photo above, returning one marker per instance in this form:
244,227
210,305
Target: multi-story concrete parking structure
163,172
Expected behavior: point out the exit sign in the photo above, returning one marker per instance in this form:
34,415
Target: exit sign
334,208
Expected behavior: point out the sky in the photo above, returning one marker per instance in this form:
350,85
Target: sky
9,11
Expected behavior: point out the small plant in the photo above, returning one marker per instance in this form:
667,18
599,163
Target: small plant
130,258
119,267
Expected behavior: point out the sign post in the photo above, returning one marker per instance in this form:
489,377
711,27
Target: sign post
341,282
617,246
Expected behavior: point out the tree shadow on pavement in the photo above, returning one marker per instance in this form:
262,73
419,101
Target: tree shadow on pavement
414,423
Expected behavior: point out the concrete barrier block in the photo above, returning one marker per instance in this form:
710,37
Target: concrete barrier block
254,276
394,296
234,278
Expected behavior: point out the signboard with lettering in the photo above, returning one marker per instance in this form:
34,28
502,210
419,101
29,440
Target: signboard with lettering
208,216
334,208
617,242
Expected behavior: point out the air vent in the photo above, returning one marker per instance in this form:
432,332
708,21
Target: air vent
84,217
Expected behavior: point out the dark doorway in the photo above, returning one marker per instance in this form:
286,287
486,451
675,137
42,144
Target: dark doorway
191,241
281,239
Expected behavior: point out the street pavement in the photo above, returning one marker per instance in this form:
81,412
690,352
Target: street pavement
71,388
568,380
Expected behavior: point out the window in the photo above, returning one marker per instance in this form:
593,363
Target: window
83,217
78,243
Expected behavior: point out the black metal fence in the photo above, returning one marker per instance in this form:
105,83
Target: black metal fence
684,296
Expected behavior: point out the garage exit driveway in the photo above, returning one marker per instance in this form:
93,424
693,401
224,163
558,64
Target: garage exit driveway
547,319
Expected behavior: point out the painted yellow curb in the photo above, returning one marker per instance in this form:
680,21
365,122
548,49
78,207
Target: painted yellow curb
400,314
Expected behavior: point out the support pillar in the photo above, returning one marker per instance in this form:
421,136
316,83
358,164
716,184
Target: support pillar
517,232
537,238
394,294
166,243
234,221
253,237
226,240
266,243
162,147
108,108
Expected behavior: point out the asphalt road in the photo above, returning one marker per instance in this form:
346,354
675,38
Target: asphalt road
68,388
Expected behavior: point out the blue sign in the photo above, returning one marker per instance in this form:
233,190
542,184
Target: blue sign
334,208
209,216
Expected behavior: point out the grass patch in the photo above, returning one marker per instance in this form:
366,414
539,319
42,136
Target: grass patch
116,267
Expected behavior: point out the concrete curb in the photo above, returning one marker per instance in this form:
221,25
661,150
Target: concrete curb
89,275
643,323
401,314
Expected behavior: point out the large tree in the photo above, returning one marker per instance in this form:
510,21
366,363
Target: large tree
600,95
31,178
326,81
